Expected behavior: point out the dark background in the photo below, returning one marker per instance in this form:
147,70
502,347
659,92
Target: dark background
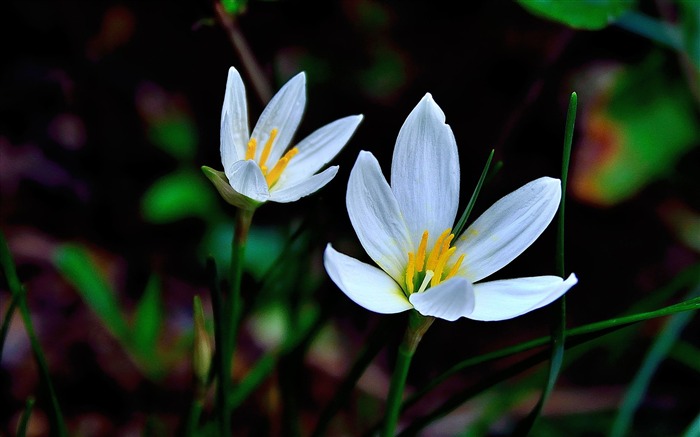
501,75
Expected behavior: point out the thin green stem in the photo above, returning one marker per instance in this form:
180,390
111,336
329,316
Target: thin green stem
6,322
581,331
658,351
375,341
19,294
398,382
234,303
222,372
417,326
24,420
470,205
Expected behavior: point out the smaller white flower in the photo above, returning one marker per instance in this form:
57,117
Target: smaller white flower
406,228
260,167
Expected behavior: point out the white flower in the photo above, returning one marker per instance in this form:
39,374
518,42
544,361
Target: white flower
256,167
406,229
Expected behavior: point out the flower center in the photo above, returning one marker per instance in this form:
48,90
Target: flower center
427,270
271,176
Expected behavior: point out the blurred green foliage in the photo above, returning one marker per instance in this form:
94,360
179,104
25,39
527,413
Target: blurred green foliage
140,337
579,14
180,194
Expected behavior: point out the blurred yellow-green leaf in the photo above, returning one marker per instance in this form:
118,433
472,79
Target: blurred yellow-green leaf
636,126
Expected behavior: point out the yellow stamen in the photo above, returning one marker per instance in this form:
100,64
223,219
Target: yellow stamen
446,243
263,169
410,272
435,253
441,266
277,170
455,267
420,258
250,150
268,148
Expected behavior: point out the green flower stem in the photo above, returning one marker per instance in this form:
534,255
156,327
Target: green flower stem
233,305
417,326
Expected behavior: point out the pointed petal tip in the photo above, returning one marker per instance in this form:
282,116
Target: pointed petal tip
299,77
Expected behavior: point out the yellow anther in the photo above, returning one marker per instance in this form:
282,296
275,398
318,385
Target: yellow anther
263,169
441,266
435,253
455,267
420,257
410,272
268,147
277,170
250,150
446,243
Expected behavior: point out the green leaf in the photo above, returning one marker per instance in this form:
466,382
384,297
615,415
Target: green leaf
637,125
178,195
78,267
579,14
175,134
234,7
147,320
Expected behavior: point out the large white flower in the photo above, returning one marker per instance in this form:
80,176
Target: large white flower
258,167
406,228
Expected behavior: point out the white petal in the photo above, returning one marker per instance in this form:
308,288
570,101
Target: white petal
448,300
320,147
247,179
376,218
508,227
229,151
425,171
508,298
366,285
290,193
234,114
284,114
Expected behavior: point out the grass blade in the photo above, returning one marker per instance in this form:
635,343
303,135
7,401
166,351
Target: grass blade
656,354
6,323
472,201
19,294
24,420
559,317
